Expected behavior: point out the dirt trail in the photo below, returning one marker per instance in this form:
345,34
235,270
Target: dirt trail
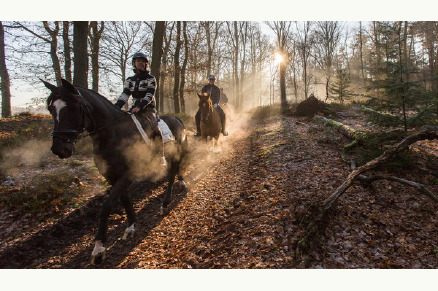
243,209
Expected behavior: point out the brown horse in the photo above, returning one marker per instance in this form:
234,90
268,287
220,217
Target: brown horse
210,119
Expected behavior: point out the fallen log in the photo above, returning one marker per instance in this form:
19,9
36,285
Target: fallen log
427,132
357,136
346,130
382,117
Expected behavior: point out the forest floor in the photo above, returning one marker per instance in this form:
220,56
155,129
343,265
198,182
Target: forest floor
243,208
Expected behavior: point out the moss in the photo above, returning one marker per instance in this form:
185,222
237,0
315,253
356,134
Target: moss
375,145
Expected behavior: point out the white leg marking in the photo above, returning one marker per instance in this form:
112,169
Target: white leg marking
98,248
128,231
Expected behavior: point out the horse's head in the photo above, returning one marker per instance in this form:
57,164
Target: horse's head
205,106
68,109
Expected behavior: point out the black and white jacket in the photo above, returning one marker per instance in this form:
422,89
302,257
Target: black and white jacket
142,88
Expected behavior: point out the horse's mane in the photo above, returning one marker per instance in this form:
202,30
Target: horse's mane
89,94
209,102
99,96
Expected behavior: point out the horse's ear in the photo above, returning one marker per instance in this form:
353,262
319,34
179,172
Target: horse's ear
199,95
49,86
69,87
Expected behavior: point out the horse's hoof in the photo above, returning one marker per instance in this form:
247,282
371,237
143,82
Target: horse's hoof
129,232
98,259
99,253
180,184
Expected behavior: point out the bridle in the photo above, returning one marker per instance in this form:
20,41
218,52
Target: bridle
206,112
72,136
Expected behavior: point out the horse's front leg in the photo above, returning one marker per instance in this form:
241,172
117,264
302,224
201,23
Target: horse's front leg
115,194
130,213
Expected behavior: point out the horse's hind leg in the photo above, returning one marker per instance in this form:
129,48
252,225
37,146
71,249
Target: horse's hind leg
114,196
127,203
171,179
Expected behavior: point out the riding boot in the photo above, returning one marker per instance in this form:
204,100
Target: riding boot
159,136
223,119
162,159
156,133
224,132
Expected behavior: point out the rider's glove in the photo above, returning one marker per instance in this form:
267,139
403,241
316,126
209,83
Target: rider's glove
215,105
120,103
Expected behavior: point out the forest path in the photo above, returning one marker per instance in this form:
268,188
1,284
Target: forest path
243,209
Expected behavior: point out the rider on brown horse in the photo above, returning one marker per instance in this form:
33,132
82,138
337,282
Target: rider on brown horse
214,92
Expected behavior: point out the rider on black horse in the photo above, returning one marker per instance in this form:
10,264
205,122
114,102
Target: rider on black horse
215,95
142,87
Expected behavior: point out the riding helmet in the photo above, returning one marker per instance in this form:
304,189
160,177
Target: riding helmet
211,77
138,56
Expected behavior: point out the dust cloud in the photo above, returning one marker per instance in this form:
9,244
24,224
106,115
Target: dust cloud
203,155
32,153
144,159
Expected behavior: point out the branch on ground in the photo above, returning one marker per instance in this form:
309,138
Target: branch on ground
427,132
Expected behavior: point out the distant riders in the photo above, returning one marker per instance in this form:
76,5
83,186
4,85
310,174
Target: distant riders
215,95
224,97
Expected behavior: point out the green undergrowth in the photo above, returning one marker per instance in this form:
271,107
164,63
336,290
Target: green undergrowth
375,145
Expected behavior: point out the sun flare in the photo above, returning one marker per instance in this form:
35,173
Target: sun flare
278,58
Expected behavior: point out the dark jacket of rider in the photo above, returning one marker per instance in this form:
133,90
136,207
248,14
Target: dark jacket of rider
142,88
213,91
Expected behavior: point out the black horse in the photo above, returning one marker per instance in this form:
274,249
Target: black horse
210,119
120,153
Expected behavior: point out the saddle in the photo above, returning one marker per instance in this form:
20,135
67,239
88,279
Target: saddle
166,133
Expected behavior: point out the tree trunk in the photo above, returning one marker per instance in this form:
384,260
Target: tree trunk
80,59
235,66
183,69
4,75
53,49
95,34
164,63
177,68
209,49
283,80
67,51
157,53
243,40
361,51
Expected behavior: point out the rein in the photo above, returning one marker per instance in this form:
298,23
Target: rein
209,111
